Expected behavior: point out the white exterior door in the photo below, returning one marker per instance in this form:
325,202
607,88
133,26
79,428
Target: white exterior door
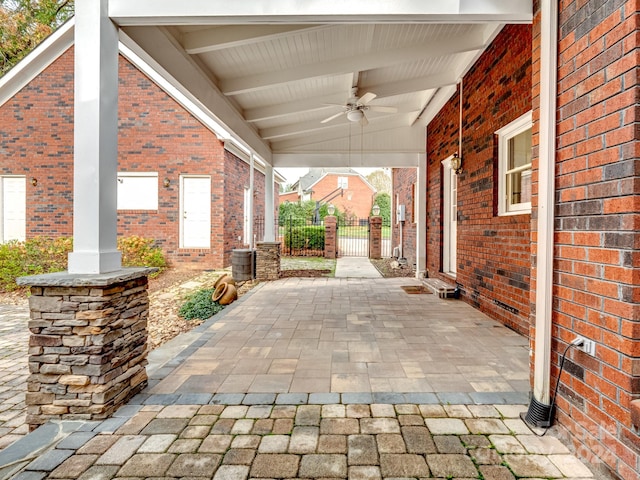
450,217
13,211
195,212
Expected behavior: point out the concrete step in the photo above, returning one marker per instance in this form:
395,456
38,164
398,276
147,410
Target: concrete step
439,287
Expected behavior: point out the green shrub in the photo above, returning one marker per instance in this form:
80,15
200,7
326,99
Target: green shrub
311,237
33,257
47,255
200,305
141,252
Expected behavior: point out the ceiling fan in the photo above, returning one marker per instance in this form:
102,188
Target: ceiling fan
355,107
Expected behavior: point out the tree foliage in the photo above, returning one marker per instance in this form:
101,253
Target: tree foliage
383,200
380,180
25,23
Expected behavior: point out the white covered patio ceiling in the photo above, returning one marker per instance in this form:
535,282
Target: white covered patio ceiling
268,71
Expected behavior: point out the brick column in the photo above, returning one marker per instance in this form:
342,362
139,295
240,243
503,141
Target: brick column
375,237
268,261
330,236
88,344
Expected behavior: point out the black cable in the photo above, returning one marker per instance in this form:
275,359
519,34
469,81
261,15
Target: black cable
555,391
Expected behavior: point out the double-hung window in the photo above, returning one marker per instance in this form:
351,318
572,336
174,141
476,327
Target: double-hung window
514,167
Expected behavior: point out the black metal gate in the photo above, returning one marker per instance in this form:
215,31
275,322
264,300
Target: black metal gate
353,237
301,237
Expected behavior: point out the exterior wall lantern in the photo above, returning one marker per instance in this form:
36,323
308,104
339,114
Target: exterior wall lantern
456,163
166,183
34,181
331,209
375,210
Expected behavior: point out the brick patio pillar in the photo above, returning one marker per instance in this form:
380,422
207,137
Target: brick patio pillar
88,343
375,237
267,261
330,236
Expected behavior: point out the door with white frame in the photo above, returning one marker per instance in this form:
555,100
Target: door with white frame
195,211
450,218
13,208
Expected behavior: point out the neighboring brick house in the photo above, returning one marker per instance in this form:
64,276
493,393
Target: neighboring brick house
491,250
177,181
357,195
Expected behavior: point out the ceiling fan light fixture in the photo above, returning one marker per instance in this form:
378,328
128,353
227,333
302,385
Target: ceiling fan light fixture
355,115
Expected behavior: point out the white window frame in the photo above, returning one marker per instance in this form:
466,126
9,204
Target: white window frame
147,200
505,134
343,182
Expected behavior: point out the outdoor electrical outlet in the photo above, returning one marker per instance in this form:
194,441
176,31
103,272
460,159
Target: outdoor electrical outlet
587,346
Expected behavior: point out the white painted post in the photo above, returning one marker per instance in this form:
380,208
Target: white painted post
95,141
546,200
269,205
421,227
251,192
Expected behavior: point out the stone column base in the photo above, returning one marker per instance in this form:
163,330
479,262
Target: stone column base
88,343
267,261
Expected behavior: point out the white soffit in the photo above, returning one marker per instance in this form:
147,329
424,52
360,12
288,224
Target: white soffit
272,71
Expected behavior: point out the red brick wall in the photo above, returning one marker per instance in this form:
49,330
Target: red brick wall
493,252
597,251
155,134
356,200
403,181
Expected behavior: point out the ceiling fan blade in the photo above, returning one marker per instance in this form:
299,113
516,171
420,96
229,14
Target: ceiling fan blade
366,98
328,119
380,108
364,122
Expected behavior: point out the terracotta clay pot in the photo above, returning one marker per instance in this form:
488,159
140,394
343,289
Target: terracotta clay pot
225,278
225,293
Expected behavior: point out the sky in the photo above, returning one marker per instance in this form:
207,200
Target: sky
292,174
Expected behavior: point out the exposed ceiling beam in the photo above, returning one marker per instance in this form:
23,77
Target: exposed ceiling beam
228,36
212,12
314,126
398,126
412,85
290,108
365,61
368,159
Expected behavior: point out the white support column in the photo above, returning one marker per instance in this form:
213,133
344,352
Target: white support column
421,227
269,205
95,141
546,199
251,202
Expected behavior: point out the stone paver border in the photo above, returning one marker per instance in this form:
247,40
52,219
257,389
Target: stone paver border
247,440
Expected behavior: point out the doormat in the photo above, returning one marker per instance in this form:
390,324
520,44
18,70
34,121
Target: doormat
412,289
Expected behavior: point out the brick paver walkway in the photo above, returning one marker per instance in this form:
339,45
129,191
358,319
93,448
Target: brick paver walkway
14,339
301,379
355,441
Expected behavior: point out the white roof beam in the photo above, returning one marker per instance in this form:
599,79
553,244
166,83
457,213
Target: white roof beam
418,84
366,61
290,108
228,36
213,12
314,126
400,123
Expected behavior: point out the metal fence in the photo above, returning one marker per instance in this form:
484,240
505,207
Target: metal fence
353,237
301,237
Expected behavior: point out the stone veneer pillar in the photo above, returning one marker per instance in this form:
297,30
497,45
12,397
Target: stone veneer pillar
268,261
375,237
330,236
88,343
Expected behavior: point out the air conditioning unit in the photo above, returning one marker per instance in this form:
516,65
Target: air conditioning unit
396,252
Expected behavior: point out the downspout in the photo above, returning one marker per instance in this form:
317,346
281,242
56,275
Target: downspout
546,202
